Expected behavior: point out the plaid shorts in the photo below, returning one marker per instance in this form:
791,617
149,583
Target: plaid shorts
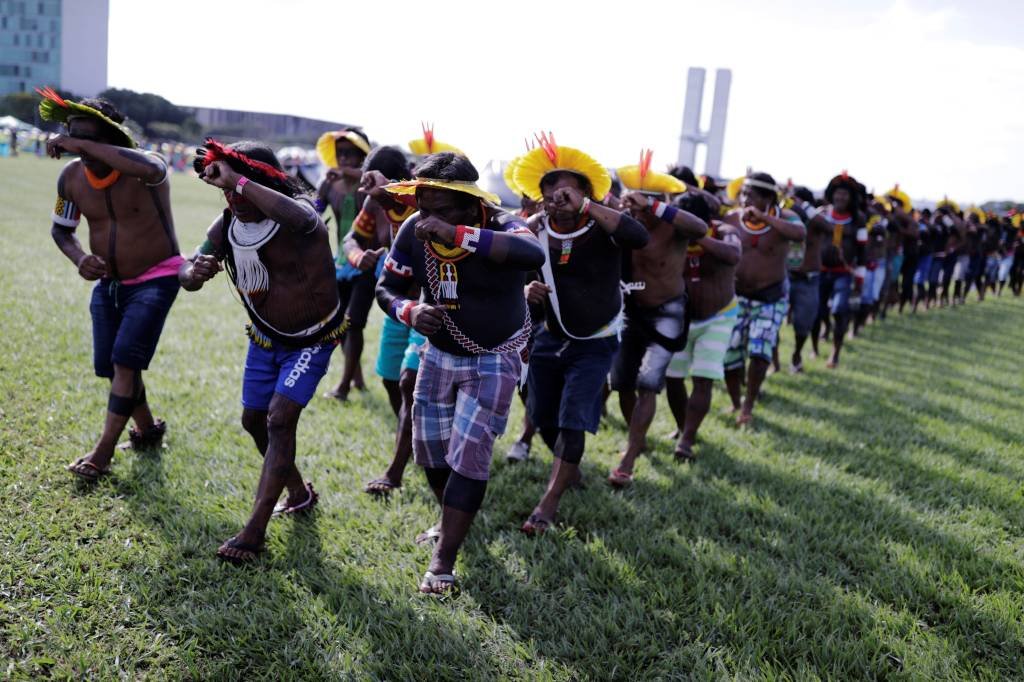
756,332
460,406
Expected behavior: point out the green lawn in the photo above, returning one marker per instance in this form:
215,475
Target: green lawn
872,526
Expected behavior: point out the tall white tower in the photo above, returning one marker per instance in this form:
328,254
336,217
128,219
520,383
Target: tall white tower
83,53
692,135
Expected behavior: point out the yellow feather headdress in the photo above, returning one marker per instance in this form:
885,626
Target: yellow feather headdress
428,144
325,148
901,196
641,178
549,157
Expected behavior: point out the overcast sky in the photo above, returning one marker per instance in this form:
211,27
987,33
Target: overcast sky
926,93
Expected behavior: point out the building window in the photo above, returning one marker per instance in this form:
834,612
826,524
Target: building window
17,40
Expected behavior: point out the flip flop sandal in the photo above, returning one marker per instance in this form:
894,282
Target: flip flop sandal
431,534
151,438
620,479
87,470
254,552
432,580
685,455
282,508
381,487
535,525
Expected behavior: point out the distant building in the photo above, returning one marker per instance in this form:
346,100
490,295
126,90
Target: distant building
279,128
61,43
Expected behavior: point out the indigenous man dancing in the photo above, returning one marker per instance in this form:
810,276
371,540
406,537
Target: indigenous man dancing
842,256
125,197
579,288
372,234
277,253
655,318
470,258
765,230
344,152
712,309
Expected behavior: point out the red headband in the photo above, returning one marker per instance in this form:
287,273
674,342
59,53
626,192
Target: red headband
215,151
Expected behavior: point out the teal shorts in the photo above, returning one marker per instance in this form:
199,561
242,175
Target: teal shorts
399,350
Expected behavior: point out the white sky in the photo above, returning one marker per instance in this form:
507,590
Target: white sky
926,93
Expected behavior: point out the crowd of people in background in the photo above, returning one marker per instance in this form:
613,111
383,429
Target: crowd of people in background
630,281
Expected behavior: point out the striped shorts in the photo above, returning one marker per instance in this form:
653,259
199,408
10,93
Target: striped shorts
704,355
460,406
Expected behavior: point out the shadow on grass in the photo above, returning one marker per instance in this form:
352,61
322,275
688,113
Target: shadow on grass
739,563
268,620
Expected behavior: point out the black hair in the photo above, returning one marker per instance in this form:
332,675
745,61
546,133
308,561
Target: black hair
803,194
696,204
767,193
109,109
105,107
390,161
360,133
927,213
858,192
685,174
616,189
257,151
449,166
551,177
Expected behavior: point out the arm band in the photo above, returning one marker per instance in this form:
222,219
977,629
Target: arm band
474,239
664,211
65,213
206,248
401,310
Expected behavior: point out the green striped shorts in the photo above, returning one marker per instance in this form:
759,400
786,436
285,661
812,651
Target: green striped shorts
704,355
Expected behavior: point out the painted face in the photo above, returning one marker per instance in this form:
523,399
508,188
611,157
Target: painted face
348,155
447,205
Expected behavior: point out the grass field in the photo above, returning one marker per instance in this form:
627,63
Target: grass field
871,527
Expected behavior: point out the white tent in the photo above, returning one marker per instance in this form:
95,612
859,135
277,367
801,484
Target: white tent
7,122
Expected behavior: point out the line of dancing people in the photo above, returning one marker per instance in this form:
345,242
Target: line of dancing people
632,283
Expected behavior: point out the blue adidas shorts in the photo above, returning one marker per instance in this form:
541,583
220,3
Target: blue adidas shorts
294,373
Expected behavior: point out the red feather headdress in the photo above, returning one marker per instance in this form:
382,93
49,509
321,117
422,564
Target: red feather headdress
212,150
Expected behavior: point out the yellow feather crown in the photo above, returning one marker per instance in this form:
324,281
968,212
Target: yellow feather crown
549,157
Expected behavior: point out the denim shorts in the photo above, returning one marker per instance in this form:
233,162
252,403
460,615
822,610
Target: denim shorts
804,294
566,381
127,321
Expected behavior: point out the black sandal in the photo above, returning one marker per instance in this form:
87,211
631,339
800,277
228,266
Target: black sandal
86,470
150,439
381,487
252,552
282,508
